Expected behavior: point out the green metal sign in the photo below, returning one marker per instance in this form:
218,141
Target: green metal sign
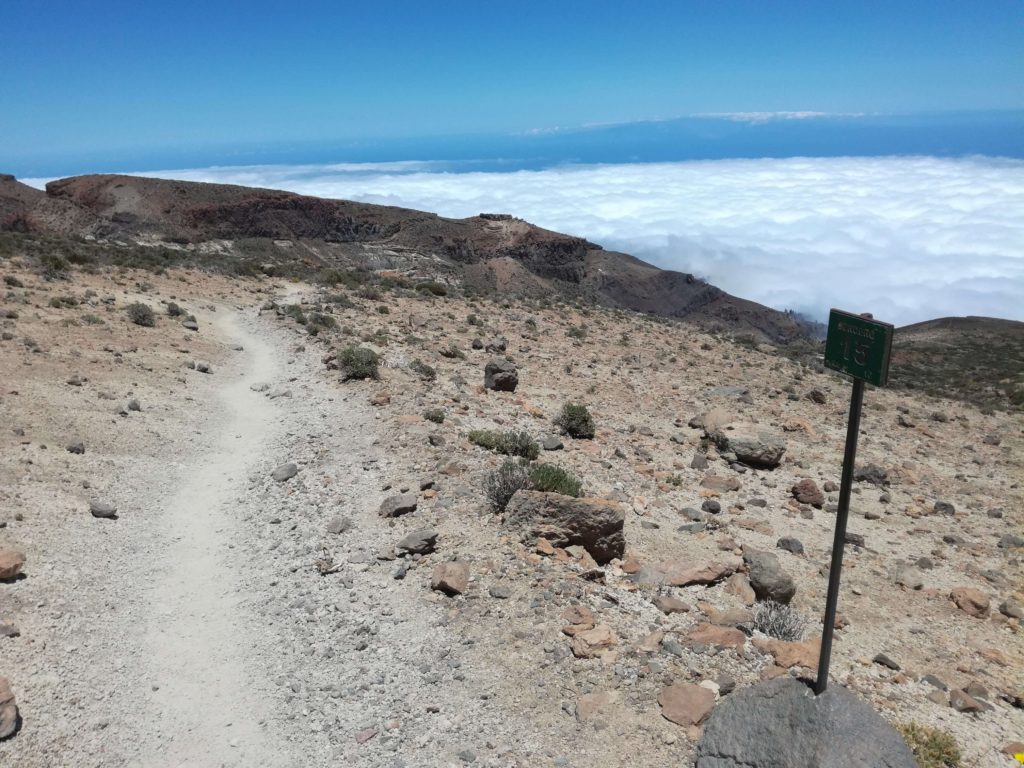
858,346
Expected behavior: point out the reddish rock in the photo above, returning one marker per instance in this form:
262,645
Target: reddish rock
686,704
451,578
739,585
380,398
11,563
590,705
720,484
579,614
806,491
971,601
721,637
593,643
596,524
8,710
668,604
651,643
791,654
707,573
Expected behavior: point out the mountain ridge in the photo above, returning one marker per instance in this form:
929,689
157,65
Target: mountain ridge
487,251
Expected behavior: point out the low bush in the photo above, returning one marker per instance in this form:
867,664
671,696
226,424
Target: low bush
575,420
141,314
432,287
778,620
509,443
553,479
174,310
932,747
358,363
435,415
421,369
501,484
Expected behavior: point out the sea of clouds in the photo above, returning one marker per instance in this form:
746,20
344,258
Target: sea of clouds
906,238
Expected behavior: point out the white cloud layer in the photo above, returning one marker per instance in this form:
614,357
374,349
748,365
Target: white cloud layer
907,238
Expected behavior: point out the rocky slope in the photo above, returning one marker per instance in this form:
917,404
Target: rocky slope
384,613
488,252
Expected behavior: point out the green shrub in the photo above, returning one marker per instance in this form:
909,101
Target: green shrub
62,302
577,332
383,310
13,282
509,443
339,300
435,415
575,420
294,311
472,319
553,479
174,310
932,747
502,483
432,287
358,363
321,320
54,266
92,320
141,314
421,369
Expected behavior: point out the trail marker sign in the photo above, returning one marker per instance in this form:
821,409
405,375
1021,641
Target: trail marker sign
859,346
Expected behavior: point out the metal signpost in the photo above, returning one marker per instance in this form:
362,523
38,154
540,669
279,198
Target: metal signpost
858,346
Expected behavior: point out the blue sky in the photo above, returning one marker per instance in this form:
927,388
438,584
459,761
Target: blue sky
99,84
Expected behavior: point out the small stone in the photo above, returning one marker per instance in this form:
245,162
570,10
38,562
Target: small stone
338,525
962,702
11,563
102,509
971,601
8,710
806,491
394,506
593,643
668,604
500,591
790,544
686,704
421,542
885,661
76,447
451,578
285,472
552,444
1012,608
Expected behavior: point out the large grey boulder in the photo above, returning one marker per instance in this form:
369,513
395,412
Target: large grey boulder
753,446
782,724
501,375
595,524
767,578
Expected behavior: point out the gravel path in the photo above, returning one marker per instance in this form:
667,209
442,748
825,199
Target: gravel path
197,629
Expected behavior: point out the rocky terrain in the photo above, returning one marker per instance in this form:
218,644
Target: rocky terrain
269,231
219,548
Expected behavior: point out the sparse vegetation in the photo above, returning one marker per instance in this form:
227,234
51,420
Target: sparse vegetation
509,443
452,352
358,363
141,314
421,369
578,332
432,287
575,420
501,484
553,479
435,415
932,747
778,620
